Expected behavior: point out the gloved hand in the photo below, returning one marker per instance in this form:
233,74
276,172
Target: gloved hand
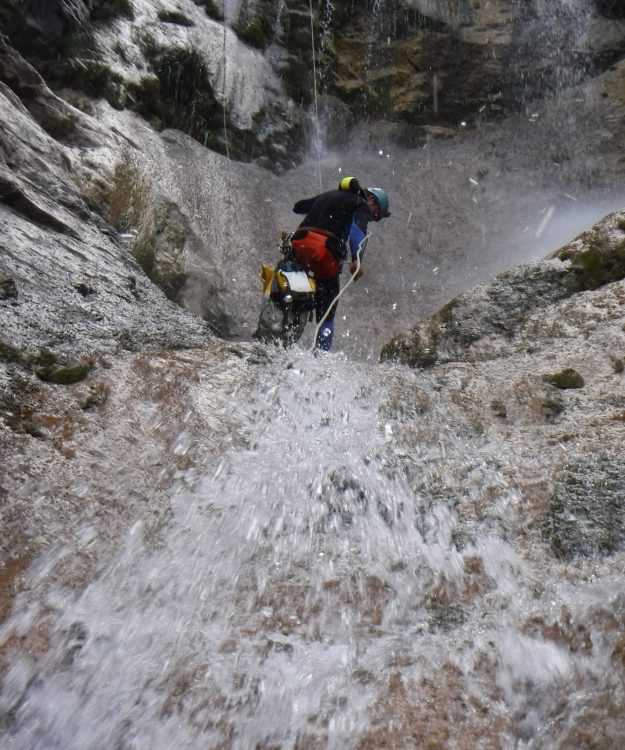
352,269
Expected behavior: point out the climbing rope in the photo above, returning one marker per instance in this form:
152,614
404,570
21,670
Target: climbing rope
223,89
360,250
312,44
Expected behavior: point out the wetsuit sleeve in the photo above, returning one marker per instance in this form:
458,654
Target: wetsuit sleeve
358,231
304,206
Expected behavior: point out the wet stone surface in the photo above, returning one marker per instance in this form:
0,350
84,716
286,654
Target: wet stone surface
586,513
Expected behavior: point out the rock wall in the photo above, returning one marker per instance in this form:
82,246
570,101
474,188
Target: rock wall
244,79
496,317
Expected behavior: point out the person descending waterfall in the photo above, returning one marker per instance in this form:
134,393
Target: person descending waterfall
335,221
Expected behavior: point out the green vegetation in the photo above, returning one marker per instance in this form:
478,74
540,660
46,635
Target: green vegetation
144,251
257,32
499,408
60,126
128,199
602,263
119,49
65,374
9,353
131,206
552,408
175,17
187,99
96,79
565,379
297,79
411,350
103,10
181,95
212,9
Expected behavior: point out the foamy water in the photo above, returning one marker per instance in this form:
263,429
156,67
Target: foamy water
305,592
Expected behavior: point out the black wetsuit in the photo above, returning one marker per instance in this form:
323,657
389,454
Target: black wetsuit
344,215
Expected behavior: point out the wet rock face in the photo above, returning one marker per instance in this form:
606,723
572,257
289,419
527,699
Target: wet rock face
69,287
407,65
586,510
435,63
611,8
501,307
175,258
168,66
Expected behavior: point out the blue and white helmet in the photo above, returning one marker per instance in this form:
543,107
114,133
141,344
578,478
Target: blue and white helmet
382,200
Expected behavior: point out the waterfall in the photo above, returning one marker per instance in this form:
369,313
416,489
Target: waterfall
334,554
550,51
306,590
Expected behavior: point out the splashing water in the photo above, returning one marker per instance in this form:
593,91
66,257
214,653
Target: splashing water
309,592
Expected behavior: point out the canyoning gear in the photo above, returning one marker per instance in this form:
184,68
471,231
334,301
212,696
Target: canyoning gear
382,201
332,211
341,213
288,298
325,323
333,222
313,250
290,294
350,184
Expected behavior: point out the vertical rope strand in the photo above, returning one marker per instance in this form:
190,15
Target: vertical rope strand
312,44
223,90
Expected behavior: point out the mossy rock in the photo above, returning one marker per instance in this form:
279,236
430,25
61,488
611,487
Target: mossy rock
168,274
171,278
104,10
159,250
61,126
444,337
213,10
9,353
446,617
97,80
8,288
601,263
174,17
565,379
65,374
586,512
499,408
144,250
298,80
256,32
411,350
180,96
551,408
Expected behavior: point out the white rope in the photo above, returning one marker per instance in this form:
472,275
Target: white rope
223,90
360,250
312,44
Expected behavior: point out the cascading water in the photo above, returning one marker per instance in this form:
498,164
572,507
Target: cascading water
362,568
550,53
323,586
